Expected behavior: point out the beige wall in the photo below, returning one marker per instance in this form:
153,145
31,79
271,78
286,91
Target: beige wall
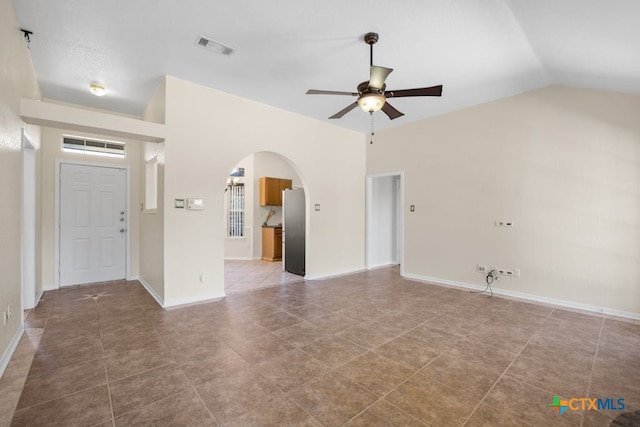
562,163
208,132
51,152
17,80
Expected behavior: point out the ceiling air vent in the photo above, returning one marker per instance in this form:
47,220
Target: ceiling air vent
214,46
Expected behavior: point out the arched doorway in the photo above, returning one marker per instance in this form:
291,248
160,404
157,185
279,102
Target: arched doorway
253,227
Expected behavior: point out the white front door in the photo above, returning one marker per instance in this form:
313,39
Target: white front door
92,224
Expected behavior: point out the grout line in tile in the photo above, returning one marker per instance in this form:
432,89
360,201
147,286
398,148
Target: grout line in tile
506,369
593,365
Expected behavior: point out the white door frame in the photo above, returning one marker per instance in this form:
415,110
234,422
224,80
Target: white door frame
127,258
369,220
29,192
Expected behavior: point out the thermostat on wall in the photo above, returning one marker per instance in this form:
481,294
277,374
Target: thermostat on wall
195,204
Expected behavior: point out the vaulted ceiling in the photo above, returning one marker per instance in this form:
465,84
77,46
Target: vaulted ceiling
479,50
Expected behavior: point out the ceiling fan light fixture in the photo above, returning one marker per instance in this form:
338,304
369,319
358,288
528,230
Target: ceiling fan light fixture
371,102
97,89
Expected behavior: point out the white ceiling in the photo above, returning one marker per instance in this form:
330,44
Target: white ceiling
479,50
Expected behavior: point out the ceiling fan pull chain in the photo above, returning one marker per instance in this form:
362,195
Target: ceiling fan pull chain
372,133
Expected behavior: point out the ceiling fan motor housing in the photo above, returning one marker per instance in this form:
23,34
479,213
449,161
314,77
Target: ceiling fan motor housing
364,88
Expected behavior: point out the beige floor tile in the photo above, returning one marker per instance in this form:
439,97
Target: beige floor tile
482,355
431,402
333,351
384,414
260,348
48,359
184,409
213,364
486,416
462,375
332,399
434,338
412,353
291,369
132,362
232,396
61,382
130,393
376,373
301,334
366,336
529,403
87,408
279,412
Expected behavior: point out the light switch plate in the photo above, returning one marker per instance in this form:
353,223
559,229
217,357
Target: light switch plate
317,207
178,203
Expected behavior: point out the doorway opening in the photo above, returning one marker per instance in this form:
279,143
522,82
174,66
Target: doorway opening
29,291
253,222
384,217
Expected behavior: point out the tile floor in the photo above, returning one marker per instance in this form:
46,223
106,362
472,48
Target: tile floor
241,276
366,349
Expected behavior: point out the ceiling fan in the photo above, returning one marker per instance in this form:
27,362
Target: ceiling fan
372,95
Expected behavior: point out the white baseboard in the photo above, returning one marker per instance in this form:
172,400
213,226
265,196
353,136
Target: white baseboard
149,289
39,296
4,361
335,274
185,302
527,297
383,265
239,258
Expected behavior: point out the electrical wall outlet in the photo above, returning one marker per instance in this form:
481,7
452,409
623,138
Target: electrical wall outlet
513,272
202,277
9,311
481,268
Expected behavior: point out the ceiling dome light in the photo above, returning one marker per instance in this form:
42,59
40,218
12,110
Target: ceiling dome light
371,102
97,89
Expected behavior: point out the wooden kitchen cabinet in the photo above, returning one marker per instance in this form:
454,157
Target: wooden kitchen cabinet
272,243
271,190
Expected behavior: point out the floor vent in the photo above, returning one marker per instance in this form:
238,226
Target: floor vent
214,46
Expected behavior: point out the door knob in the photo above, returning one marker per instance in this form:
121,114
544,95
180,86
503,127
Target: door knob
121,219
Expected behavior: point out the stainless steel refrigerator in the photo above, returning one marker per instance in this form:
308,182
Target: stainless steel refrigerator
293,230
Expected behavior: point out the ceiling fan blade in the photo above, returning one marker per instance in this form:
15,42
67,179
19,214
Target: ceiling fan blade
423,91
344,111
390,111
377,76
329,92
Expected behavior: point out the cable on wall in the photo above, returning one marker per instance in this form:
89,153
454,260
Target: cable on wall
491,277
